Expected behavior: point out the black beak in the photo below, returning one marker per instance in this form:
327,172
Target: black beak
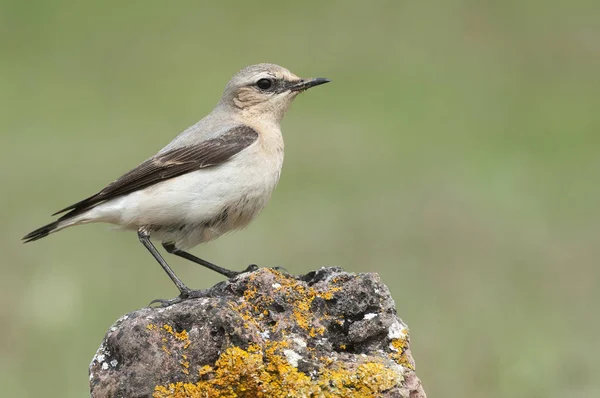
305,84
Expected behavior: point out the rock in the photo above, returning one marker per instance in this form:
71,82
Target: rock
263,334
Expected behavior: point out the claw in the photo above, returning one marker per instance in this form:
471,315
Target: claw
184,295
165,303
251,268
190,294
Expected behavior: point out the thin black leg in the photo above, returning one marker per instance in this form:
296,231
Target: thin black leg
145,239
170,247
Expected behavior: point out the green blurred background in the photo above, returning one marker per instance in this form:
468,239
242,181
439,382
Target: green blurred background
456,153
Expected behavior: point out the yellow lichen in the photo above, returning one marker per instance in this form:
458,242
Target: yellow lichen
181,336
262,369
398,354
265,372
256,305
181,342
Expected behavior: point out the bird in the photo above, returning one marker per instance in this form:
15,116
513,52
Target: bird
213,178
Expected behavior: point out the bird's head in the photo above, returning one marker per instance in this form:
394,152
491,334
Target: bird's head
266,90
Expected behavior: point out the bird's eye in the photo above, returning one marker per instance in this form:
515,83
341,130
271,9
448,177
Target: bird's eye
264,84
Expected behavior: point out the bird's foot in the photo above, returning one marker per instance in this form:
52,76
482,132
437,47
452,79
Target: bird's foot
184,295
252,268
162,303
232,274
190,293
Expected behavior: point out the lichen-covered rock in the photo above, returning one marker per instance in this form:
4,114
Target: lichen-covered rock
263,334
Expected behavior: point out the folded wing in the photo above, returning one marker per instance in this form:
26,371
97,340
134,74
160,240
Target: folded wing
170,164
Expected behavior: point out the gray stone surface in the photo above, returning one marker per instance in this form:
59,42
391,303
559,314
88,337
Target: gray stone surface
328,333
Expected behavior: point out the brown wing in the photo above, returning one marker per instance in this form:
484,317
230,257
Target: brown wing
171,164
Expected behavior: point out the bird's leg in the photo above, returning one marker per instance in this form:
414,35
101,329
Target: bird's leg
184,291
170,247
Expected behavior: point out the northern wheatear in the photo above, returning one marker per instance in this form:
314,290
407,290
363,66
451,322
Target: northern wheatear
214,177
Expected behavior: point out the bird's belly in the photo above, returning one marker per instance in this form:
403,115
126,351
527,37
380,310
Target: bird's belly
199,206
236,214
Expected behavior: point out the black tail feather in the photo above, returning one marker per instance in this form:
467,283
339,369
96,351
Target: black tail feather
40,232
